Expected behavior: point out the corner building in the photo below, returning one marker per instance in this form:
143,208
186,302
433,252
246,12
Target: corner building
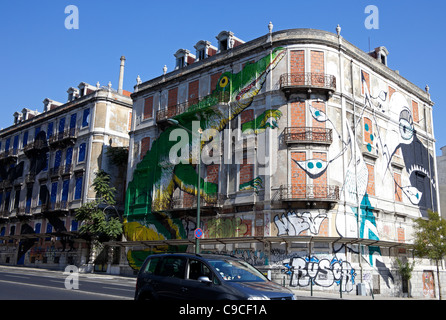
48,163
322,156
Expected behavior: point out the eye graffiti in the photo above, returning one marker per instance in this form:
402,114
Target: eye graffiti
313,167
224,82
406,126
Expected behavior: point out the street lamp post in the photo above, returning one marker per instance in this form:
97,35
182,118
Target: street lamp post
175,122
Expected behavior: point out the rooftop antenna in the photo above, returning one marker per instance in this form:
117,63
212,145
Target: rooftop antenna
369,45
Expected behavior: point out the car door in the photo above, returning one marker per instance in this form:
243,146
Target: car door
195,288
169,277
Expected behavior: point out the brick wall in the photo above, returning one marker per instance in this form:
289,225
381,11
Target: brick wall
246,172
297,113
319,106
214,80
247,115
193,92
297,66
317,62
145,146
172,101
367,80
320,183
391,92
212,173
148,108
298,176
371,179
368,133
398,191
415,114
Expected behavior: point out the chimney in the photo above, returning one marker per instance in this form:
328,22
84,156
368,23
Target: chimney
121,75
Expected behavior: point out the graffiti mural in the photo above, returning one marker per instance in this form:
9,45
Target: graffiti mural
321,272
156,178
293,223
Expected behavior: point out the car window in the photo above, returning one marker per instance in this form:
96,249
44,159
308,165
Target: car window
237,271
198,269
151,266
172,267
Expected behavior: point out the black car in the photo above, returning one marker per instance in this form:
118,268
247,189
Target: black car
204,277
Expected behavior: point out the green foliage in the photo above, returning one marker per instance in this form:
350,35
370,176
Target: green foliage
430,237
405,269
118,155
99,222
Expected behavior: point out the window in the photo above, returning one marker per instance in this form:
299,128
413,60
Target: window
61,126
398,190
148,108
37,227
65,186
74,225
49,132
198,269
78,188
57,159
201,54
25,139
36,132
86,118
69,157
173,267
15,144
7,144
53,193
73,121
7,200
29,195
81,152
17,198
151,266
371,179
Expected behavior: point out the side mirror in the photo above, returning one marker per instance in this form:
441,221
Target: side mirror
204,279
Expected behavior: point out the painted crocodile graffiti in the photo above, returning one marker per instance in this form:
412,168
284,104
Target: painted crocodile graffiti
155,178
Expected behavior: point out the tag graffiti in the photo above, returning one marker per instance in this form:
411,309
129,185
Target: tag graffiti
324,273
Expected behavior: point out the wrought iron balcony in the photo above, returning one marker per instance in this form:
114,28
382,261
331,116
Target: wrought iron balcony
308,135
307,82
9,156
34,147
185,201
207,101
63,139
309,192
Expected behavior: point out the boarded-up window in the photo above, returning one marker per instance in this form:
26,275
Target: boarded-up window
145,146
148,108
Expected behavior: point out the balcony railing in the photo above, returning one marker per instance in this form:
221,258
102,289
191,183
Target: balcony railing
309,192
33,147
63,139
9,156
187,201
210,100
308,135
307,81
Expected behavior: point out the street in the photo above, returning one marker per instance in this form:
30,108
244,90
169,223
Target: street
33,284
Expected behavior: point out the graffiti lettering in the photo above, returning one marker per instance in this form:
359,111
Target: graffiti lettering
293,223
324,273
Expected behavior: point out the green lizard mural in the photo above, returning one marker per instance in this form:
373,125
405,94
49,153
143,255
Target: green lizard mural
155,178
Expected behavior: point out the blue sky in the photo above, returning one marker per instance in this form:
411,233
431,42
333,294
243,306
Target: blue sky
41,59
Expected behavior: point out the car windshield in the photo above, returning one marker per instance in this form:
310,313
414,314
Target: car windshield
237,271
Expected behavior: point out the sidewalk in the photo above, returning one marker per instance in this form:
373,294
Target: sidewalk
306,294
